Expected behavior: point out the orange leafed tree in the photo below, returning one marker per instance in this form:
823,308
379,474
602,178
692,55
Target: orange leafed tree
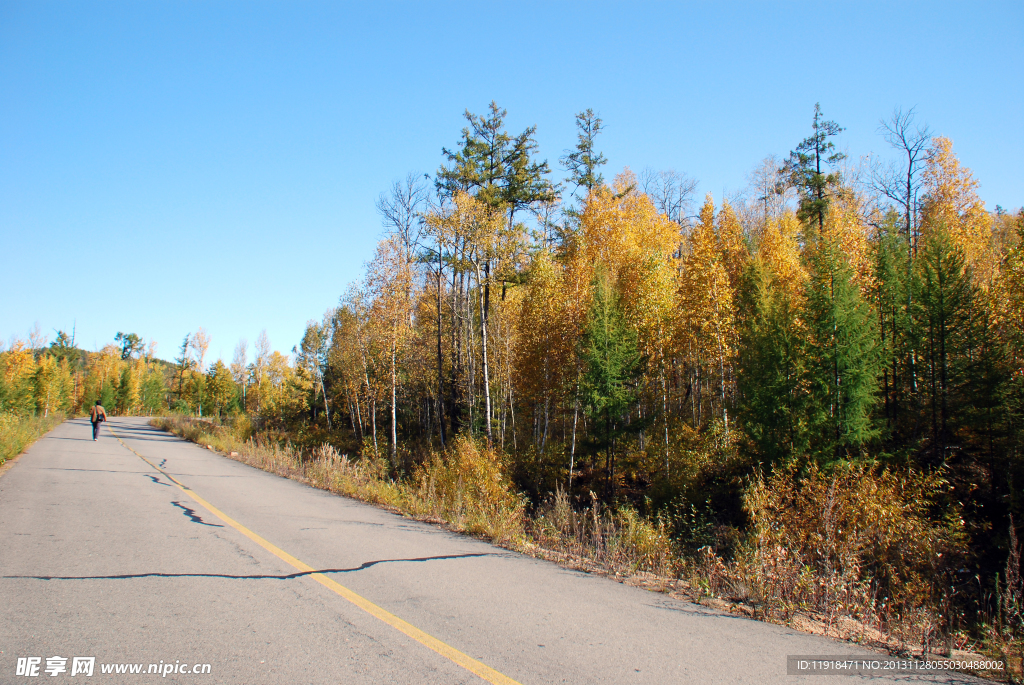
951,201
706,322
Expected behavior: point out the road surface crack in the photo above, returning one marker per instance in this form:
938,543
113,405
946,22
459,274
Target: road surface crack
287,576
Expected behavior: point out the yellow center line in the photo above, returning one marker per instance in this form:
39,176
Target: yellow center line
464,660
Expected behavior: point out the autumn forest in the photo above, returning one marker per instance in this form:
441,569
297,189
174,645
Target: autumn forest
813,388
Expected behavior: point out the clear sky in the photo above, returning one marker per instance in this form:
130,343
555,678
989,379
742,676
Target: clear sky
170,165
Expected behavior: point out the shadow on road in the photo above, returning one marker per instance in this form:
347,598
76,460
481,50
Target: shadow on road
131,431
191,513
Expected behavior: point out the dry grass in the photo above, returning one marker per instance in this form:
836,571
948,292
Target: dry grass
467,487
619,541
18,432
1005,625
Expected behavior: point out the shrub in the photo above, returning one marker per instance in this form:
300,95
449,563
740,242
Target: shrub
857,541
467,486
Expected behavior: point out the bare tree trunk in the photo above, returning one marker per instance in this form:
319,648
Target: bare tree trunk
394,411
502,421
572,450
440,358
695,394
483,337
547,400
547,417
721,381
359,416
512,410
323,389
373,405
664,410
454,388
351,414
373,418
469,344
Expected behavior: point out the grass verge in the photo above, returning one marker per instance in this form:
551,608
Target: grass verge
18,432
465,489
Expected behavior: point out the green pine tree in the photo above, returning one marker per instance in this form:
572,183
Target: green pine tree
893,297
497,168
946,313
804,168
583,162
131,344
844,358
612,365
770,370
153,390
108,396
220,386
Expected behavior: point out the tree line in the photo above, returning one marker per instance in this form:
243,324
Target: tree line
618,340
41,379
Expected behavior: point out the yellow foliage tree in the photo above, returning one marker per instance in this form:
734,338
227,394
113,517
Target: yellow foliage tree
128,400
706,330
951,201
54,386
779,251
623,231
846,228
544,363
17,366
389,283
732,244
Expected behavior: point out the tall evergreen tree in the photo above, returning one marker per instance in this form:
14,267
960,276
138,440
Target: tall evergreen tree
612,363
583,162
497,168
501,172
770,369
804,168
64,348
946,314
1012,286
128,390
153,391
131,344
220,385
844,357
893,293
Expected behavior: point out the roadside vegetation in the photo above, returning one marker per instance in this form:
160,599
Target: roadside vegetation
466,487
18,432
804,399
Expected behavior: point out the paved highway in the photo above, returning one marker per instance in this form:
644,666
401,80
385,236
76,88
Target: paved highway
148,550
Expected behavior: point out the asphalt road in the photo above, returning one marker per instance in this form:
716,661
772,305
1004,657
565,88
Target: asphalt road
155,551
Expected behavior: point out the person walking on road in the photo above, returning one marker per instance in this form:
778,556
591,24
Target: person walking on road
97,415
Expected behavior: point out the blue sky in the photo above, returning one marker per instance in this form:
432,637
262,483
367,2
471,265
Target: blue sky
170,165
